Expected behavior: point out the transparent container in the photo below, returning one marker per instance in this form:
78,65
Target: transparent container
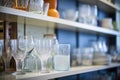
21,4
62,57
76,57
32,62
52,37
87,56
36,6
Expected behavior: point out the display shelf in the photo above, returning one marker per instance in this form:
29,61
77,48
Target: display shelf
57,74
12,15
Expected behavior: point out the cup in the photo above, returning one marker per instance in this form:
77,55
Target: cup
107,23
62,57
36,6
84,12
21,4
45,9
76,57
70,14
87,56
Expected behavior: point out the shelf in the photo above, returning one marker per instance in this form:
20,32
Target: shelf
12,15
57,74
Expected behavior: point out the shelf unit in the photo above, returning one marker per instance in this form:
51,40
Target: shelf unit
57,74
11,15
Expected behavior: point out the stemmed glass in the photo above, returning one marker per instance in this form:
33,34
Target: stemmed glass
44,48
20,50
6,55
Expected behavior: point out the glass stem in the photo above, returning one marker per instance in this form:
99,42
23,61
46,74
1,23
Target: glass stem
18,65
44,66
7,65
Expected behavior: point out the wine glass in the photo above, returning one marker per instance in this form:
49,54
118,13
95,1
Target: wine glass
44,49
29,50
19,53
6,55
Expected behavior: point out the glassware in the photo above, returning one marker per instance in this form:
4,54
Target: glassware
77,57
93,15
87,56
62,57
44,48
6,55
36,6
20,48
46,8
70,14
107,23
21,4
31,61
54,42
84,12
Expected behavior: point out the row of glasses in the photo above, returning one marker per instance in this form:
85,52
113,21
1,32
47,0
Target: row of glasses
44,47
88,14
34,6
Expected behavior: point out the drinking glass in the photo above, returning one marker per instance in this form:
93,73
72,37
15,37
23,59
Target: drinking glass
44,48
36,6
6,55
20,4
62,57
84,12
20,49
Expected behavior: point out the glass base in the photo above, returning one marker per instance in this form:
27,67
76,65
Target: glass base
44,71
18,73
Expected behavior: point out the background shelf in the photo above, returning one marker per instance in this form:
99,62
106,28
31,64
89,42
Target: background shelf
12,15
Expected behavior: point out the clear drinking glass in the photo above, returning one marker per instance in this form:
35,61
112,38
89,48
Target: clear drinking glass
21,4
84,13
87,56
23,46
62,57
6,55
44,48
36,6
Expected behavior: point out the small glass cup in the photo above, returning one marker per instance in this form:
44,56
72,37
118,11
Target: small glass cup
87,56
36,6
21,4
76,57
45,9
62,57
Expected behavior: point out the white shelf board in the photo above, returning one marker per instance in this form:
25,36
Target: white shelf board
9,14
57,74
